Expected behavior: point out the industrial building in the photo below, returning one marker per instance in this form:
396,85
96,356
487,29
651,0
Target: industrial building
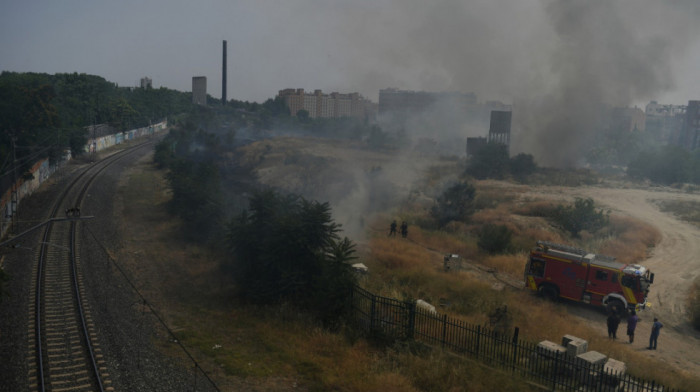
664,122
499,132
199,90
223,75
627,119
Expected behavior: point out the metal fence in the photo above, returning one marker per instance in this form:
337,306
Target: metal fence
402,320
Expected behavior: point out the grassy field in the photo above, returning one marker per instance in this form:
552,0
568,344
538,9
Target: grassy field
688,211
277,348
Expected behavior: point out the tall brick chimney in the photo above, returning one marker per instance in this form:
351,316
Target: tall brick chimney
223,78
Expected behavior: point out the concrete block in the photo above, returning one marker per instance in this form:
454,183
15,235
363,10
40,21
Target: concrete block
574,346
615,367
591,358
550,349
585,363
547,353
613,372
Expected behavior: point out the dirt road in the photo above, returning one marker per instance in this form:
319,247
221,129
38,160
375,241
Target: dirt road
675,262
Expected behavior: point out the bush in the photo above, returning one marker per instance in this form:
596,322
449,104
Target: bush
669,165
455,204
494,238
581,216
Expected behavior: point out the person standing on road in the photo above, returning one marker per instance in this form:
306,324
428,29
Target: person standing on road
392,229
632,325
655,329
613,323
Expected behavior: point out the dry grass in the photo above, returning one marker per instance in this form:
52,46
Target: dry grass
631,239
539,208
688,211
512,264
277,348
470,298
247,347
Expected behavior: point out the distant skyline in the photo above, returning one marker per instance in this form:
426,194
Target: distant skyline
625,53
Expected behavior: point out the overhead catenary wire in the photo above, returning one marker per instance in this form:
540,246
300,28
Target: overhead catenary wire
23,160
44,143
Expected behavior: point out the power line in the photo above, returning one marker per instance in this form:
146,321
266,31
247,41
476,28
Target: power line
28,158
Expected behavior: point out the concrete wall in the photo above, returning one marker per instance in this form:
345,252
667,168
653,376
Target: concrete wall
42,171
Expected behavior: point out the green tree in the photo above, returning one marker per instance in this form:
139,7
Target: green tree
582,215
668,165
197,198
455,204
276,107
494,238
286,248
45,114
303,115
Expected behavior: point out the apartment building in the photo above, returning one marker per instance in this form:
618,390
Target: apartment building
690,137
333,105
628,119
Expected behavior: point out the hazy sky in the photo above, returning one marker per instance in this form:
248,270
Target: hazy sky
627,51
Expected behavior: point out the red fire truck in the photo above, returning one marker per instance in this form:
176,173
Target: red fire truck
556,270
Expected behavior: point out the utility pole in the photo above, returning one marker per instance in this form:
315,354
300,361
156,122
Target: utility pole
14,199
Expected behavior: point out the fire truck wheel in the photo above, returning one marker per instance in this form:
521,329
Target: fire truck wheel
549,291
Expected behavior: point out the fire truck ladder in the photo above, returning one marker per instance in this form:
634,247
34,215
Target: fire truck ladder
546,245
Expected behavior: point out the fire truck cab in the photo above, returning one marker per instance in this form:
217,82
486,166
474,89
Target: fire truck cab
556,270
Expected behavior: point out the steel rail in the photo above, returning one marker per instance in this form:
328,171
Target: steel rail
95,169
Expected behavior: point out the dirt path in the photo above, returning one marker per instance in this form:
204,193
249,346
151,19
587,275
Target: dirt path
675,262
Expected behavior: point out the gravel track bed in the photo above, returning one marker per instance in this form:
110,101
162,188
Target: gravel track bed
130,338
18,262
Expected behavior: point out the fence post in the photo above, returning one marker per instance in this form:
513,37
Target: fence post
478,338
555,371
444,330
411,322
515,347
371,313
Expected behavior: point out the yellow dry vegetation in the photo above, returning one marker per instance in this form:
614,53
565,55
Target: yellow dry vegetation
277,348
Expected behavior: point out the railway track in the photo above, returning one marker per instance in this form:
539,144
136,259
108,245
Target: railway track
64,353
